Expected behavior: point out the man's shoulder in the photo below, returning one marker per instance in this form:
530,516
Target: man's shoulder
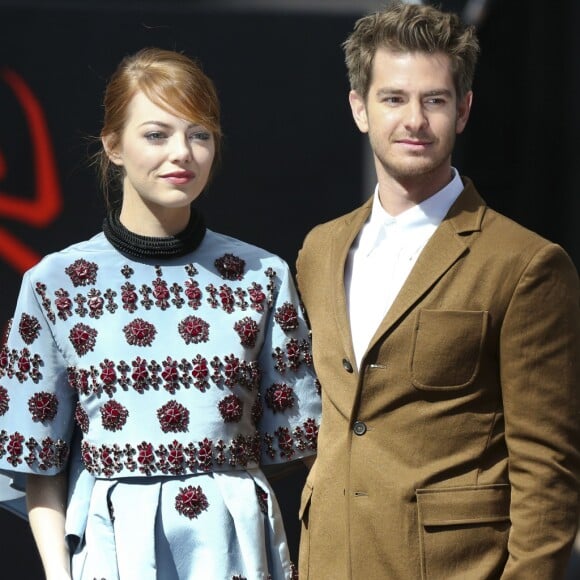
336,224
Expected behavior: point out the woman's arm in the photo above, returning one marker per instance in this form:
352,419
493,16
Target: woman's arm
46,503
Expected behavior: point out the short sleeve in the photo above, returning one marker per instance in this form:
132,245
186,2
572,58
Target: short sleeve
290,404
36,403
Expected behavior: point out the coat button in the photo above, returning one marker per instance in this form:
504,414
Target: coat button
359,428
347,366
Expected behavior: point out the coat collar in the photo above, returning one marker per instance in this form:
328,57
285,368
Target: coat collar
447,245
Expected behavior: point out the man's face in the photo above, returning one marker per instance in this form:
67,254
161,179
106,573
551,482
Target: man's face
412,116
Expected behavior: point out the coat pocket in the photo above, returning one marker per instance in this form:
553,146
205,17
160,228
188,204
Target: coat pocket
447,348
463,532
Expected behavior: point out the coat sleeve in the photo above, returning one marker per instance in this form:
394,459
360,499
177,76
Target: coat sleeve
540,370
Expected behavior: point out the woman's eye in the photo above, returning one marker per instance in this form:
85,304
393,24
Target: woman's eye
154,136
200,136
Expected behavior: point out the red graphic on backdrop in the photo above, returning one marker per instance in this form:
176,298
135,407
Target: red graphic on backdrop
47,201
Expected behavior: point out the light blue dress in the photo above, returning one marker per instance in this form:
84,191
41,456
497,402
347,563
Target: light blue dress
163,386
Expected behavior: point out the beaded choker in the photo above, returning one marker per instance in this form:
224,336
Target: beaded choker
138,246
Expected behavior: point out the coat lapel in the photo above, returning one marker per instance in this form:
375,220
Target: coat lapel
344,236
447,245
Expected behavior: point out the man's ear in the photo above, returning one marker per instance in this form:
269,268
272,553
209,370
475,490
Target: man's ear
111,147
359,111
463,110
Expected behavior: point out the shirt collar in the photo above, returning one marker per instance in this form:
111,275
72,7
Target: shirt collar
428,214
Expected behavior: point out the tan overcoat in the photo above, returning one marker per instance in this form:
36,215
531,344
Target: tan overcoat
455,453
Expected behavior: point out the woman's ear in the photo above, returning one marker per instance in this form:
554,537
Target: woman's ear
111,147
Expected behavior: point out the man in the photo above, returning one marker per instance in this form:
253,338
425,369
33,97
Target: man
447,342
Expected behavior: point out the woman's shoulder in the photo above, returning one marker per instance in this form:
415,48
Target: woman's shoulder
89,249
221,245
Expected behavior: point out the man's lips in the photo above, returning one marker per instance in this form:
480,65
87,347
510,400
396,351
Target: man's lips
414,142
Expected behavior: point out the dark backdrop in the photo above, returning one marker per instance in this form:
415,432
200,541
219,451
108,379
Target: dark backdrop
292,156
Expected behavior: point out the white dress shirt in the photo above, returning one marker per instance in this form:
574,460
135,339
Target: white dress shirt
382,256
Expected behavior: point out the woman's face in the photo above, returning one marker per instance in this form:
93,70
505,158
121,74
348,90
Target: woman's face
166,159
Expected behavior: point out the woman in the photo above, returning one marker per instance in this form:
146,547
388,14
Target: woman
175,357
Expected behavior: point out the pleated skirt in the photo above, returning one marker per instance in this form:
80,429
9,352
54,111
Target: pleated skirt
215,526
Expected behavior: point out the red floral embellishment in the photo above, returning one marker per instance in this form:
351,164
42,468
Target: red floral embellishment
227,299
63,304
43,406
200,372
108,374
83,338
176,458
280,397
262,497
129,297
285,442
257,297
140,332
140,374
95,303
230,267
29,328
81,418
311,432
193,293
146,457
24,362
191,501
170,374
161,293
287,317
4,401
193,330
173,417
15,449
113,416
247,330
82,272
231,409
231,369
257,412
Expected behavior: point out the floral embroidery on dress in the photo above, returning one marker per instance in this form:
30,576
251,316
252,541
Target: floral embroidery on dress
231,409
113,415
83,338
81,418
279,397
191,501
230,267
247,330
4,400
29,328
173,417
129,297
287,317
262,497
193,330
200,372
82,273
140,332
43,406
257,297
193,294
95,303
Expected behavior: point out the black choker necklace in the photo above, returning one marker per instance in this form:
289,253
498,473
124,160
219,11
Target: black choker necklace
138,246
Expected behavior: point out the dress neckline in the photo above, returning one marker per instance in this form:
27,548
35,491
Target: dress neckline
138,246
